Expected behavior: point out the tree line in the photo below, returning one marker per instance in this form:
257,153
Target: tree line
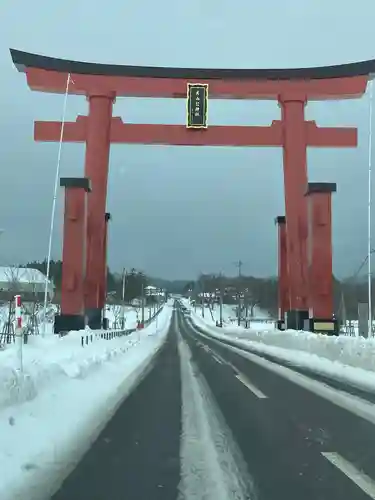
257,291
135,280
263,292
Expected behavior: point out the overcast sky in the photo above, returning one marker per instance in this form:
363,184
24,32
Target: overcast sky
178,211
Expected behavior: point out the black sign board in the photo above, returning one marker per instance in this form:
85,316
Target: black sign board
197,99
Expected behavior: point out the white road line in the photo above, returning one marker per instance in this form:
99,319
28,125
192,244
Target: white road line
362,480
222,360
217,359
258,393
240,376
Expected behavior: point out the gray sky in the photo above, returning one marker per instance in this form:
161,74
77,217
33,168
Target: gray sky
177,211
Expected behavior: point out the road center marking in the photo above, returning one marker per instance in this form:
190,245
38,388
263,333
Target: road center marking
362,480
258,393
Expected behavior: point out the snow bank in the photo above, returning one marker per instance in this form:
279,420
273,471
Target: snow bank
349,359
51,414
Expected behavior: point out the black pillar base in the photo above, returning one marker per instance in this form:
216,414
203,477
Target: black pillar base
328,326
105,323
295,319
67,322
280,324
94,318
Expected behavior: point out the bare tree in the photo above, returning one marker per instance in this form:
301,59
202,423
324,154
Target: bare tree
118,315
33,308
10,288
19,280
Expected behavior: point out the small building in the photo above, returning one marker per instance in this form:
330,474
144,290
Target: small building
153,291
25,281
137,302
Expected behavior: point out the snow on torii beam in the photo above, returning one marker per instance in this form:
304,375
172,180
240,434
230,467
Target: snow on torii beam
102,83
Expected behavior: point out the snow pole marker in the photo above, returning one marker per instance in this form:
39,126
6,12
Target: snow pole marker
18,329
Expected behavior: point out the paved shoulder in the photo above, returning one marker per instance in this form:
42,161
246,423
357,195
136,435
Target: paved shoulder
136,457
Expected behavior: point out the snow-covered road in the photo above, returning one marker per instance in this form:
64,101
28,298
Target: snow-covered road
212,467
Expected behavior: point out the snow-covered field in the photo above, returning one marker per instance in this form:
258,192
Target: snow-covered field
351,359
260,319
50,414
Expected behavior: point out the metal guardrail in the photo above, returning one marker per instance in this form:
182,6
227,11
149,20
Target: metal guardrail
86,338
91,336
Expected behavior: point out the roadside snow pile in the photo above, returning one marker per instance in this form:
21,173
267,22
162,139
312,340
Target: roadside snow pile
350,359
50,415
49,360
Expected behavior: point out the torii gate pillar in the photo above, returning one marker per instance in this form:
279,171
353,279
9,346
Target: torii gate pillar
319,257
97,135
295,179
283,288
72,315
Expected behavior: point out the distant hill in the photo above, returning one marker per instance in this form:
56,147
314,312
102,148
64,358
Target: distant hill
172,286
362,278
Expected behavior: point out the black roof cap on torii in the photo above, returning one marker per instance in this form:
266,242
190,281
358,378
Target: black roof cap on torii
23,60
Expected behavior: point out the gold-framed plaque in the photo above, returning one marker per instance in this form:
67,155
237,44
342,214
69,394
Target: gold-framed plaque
196,105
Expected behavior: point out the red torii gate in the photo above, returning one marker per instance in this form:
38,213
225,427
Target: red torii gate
292,88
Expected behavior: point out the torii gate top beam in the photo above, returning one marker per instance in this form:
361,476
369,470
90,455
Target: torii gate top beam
49,74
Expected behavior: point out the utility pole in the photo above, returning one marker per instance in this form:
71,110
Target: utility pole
246,310
200,282
239,265
238,308
343,313
123,296
221,298
143,305
202,292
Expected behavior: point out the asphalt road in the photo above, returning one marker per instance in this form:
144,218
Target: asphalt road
295,442
297,445
137,455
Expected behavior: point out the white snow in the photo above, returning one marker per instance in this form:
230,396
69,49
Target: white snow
259,320
212,465
114,313
350,359
51,414
14,275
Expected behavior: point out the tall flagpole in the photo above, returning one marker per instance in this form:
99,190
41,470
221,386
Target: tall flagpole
369,277
57,176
